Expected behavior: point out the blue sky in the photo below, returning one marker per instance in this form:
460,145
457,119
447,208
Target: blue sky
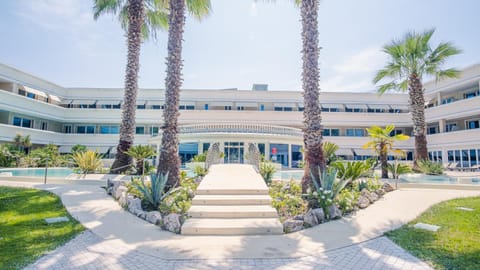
241,43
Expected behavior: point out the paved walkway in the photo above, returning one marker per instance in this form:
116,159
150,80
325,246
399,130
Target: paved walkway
118,240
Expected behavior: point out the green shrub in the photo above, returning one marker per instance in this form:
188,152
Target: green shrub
267,169
87,162
153,193
200,157
200,171
287,198
179,199
371,184
347,199
396,169
428,167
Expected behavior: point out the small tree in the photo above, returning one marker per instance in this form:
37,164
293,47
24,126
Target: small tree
381,143
140,153
88,162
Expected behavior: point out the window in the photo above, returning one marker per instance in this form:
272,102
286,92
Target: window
470,95
283,109
240,108
43,125
140,130
67,129
109,129
154,131
30,95
262,107
141,106
301,109
331,132
447,100
355,132
22,92
228,108
22,122
432,130
187,107
472,124
86,129
157,107
205,107
451,127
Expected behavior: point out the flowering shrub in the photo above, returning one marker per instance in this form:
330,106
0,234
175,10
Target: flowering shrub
287,199
347,199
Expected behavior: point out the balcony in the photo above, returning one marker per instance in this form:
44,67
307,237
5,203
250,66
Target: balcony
458,109
455,138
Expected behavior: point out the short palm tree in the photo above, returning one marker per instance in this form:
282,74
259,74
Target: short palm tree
412,58
329,150
139,18
381,142
169,161
26,144
139,153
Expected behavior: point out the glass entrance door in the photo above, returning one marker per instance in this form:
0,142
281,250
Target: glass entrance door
233,152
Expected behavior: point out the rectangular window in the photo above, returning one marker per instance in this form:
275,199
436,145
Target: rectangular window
432,130
44,126
116,106
90,129
451,127
350,132
17,121
157,107
335,132
301,109
108,129
140,130
355,132
22,92
190,107
67,129
473,124
470,95
228,108
81,129
205,107
278,109
326,132
27,123
240,108
288,109
450,156
262,107
359,132
154,131
30,95
141,107
447,100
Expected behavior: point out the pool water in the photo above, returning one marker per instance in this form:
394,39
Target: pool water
427,179
288,175
39,172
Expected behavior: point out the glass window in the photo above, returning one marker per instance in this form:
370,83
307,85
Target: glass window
450,156
457,155
104,129
301,109
44,126
67,129
451,127
140,130
326,132
205,107
473,157
359,132
27,123
470,95
262,107
17,121
240,108
350,132
190,107
335,132
228,108
154,131
80,129
288,109
90,129
278,109
30,95
473,124
141,107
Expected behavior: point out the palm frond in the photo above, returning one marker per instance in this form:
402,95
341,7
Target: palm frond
199,8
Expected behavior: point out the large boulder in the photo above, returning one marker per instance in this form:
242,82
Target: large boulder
154,217
334,212
119,191
310,219
134,205
388,187
172,223
380,192
371,196
363,202
319,214
292,225
123,199
112,186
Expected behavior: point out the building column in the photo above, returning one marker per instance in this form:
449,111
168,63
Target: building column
439,99
158,154
267,151
289,155
441,125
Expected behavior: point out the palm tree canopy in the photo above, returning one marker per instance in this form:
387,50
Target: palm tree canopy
156,14
141,152
382,140
414,55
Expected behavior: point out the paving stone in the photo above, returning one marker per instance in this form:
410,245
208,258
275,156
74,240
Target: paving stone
465,208
428,227
56,220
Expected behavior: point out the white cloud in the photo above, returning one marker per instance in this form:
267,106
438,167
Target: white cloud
355,73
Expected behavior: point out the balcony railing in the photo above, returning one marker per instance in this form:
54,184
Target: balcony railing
239,128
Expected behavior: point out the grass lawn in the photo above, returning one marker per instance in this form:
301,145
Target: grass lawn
456,245
24,234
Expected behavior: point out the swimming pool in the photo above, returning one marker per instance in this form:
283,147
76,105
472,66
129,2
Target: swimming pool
288,175
436,179
38,172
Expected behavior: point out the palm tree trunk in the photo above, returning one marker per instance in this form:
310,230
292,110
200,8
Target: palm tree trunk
136,14
169,161
312,130
383,160
417,102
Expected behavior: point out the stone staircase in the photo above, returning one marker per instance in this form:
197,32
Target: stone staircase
232,200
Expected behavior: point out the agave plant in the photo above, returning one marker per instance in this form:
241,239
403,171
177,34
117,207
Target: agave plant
327,186
428,167
155,192
87,162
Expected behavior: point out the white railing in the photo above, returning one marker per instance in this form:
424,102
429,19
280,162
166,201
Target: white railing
239,128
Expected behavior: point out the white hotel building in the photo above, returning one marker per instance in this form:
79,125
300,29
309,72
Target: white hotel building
50,113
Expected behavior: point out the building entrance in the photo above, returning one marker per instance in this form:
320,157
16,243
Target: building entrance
234,152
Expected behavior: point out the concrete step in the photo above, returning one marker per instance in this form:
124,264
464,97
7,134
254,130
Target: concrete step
237,226
231,200
229,191
232,211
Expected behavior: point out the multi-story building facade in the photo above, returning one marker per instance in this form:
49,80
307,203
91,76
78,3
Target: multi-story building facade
50,113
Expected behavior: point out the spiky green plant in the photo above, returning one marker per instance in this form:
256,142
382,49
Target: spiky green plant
352,170
139,153
87,162
155,191
329,150
327,186
396,169
429,167
267,169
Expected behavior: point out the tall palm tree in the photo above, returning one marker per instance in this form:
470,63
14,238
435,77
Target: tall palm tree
412,58
169,161
140,19
382,141
312,130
